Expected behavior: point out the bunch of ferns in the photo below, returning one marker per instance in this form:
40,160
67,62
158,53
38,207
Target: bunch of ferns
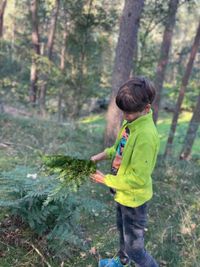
71,172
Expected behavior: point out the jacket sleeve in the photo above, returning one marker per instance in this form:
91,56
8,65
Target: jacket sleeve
110,152
139,173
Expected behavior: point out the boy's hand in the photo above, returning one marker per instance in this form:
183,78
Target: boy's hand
97,177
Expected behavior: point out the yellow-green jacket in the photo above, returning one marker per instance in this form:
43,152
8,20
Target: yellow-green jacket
133,183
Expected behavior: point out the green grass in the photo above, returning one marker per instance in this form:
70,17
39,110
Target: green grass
163,128
173,236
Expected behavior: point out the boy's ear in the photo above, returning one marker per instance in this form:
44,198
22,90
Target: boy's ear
147,108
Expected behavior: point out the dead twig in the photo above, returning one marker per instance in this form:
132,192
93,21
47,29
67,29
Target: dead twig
40,254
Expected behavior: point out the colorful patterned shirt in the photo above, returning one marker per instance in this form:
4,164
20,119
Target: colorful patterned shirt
119,151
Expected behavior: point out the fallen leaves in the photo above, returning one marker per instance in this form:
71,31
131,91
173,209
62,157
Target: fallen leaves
93,251
188,229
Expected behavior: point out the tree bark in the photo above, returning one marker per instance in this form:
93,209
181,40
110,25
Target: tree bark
191,132
62,68
1,107
2,10
36,51
168,149
126,46
33,82
14,27
164,54
50,43
52,30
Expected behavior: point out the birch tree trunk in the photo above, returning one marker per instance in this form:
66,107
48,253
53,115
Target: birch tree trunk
50,43
36,51
195,46
164,54
2,11
191,132
126,46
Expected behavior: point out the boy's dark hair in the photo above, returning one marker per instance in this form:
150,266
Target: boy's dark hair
135,94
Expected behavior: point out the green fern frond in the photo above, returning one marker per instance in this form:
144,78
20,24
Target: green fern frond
71,172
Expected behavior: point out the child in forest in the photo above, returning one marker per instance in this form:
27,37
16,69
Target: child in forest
133,159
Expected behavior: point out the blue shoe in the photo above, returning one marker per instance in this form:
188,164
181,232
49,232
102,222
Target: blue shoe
114,262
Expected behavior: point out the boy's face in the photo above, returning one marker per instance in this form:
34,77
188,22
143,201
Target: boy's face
131,116
134,115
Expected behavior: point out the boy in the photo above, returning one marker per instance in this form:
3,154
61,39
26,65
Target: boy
134,156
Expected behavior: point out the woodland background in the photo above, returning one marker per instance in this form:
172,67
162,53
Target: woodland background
61,63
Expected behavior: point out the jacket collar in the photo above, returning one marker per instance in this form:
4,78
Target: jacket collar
139,121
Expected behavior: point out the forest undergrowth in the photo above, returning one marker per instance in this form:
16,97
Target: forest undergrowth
79,229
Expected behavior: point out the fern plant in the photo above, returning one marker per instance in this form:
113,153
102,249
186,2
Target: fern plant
49,207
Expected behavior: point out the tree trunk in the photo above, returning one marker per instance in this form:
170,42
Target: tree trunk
33,82
1,107
14,28
168,149
62,67
52,30
2,10
36,49
50,43
191,132
164,54
127,44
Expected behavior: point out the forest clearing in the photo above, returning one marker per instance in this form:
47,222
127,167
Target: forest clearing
62,63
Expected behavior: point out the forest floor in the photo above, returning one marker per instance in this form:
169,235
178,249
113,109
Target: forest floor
173,236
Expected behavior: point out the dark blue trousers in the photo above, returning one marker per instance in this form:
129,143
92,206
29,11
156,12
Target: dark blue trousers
130,224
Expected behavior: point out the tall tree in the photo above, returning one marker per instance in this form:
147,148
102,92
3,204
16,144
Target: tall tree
126,46
52,30
62,62
36,51
2,10
191,132
195,46
164,53
50,42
